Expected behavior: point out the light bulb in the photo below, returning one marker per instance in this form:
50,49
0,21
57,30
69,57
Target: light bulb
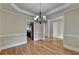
44,17
37,16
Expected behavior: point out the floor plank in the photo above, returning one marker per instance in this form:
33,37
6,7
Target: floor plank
49,46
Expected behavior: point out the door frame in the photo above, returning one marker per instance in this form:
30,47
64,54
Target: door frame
32,30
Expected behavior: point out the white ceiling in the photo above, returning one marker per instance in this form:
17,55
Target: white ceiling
51,10
8,7
35,7
32,7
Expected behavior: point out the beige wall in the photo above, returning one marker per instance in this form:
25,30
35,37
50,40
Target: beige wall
12,29
71,29
12,24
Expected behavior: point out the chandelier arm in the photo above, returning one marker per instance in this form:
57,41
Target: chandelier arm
40,19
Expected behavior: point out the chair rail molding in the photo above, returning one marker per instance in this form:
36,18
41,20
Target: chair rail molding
7,35
72,35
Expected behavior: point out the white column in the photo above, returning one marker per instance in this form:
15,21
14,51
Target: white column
48,28
34,32
44,31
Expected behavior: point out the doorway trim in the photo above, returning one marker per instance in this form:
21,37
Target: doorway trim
27,27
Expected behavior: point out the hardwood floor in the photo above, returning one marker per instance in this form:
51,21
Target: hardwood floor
50,46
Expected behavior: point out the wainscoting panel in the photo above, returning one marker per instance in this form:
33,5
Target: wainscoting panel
9,41
71,42
38,36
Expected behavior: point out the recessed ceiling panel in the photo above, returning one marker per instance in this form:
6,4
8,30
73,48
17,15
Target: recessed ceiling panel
35,7
32,7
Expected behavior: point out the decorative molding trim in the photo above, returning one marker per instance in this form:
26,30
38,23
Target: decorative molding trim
38,33
37,36
12,35
48,27
21,10
13,13
72,7
72,35
60,37
36,39
58,9
14,45
44,31
58,18
71,48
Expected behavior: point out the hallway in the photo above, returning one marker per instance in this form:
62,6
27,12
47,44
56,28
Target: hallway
49,46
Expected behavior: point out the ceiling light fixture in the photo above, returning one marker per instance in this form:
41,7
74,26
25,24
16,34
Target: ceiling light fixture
40,19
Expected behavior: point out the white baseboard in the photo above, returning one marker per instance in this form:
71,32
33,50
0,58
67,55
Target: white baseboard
60,37
14,45
36,39
71,48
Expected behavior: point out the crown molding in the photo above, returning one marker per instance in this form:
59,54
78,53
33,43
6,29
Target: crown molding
3,10
58,18
58,9
21,10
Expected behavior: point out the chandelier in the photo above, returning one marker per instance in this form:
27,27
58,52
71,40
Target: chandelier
40,19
